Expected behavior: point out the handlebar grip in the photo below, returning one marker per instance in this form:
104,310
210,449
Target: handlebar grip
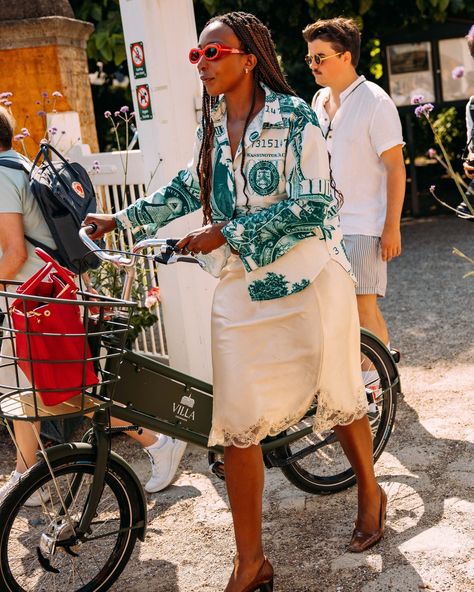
165,258
172,242
90,228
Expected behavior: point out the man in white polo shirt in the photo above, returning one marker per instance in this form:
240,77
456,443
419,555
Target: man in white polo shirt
364,138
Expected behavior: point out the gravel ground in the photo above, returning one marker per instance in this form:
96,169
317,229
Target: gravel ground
427,468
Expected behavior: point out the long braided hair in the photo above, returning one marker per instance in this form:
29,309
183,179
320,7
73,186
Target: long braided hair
256,39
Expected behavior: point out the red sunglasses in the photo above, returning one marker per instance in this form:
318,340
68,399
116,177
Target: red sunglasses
212,51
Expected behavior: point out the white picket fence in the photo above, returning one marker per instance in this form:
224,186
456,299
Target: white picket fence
115,190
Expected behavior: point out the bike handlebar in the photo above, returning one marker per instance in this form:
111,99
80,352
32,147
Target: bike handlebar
167,246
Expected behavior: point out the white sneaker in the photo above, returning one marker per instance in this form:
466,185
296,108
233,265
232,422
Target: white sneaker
35,500
5,489
164,456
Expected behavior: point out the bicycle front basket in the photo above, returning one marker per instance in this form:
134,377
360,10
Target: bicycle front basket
60,349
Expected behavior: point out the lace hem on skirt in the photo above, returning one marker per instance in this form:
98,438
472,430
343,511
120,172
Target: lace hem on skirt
325,419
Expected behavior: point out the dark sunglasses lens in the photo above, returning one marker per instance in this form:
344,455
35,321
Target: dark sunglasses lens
194,55
308,59
317,59
211,52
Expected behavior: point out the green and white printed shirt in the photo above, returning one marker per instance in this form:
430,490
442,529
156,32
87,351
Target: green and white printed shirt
289,229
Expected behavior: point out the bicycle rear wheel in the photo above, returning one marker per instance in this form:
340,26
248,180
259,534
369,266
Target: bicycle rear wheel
38,549
327,470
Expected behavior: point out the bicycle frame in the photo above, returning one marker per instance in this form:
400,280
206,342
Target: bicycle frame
153,395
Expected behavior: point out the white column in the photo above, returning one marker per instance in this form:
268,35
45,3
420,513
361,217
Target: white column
167,30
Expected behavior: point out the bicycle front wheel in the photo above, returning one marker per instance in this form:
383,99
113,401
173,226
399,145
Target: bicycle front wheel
38,547
327,470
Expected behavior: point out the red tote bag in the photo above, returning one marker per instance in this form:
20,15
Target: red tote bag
51,345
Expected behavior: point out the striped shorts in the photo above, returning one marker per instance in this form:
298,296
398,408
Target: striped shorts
370,270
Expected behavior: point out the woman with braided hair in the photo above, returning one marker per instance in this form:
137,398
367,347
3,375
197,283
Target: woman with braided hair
284,317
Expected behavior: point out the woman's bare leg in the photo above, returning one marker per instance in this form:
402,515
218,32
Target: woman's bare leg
244,481
356,441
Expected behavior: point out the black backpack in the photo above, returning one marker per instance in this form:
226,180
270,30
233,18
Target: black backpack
65,195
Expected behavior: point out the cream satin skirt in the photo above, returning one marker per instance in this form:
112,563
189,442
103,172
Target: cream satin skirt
272,358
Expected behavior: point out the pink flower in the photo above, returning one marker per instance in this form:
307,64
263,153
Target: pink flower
417,99
41,113
44,94
57,94
107,114
18,137
432,153
5,95
432,188
117,113
7,103
25,132
152,297
457,72
124,109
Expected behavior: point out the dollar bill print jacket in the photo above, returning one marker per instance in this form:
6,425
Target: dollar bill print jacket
283,221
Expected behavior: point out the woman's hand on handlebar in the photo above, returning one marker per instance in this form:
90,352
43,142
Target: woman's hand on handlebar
203,240
103,222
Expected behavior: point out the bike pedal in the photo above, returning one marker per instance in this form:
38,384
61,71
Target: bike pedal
395,353
121,429
217,468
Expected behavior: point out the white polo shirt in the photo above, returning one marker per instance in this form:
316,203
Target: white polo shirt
365,125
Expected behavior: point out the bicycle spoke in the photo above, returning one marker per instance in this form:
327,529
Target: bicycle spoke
31,524
325,468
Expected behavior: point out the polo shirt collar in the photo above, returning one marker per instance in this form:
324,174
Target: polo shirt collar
351,87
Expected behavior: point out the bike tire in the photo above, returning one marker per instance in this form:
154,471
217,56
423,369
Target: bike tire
327,470
91,570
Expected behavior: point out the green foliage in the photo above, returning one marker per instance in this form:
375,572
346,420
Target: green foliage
108,279
107,46
106,43
449,125
375,18
286,23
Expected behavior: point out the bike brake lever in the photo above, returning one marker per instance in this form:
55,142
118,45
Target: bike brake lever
184,259
173,257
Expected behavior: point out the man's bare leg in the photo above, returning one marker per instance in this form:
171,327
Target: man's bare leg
370,316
